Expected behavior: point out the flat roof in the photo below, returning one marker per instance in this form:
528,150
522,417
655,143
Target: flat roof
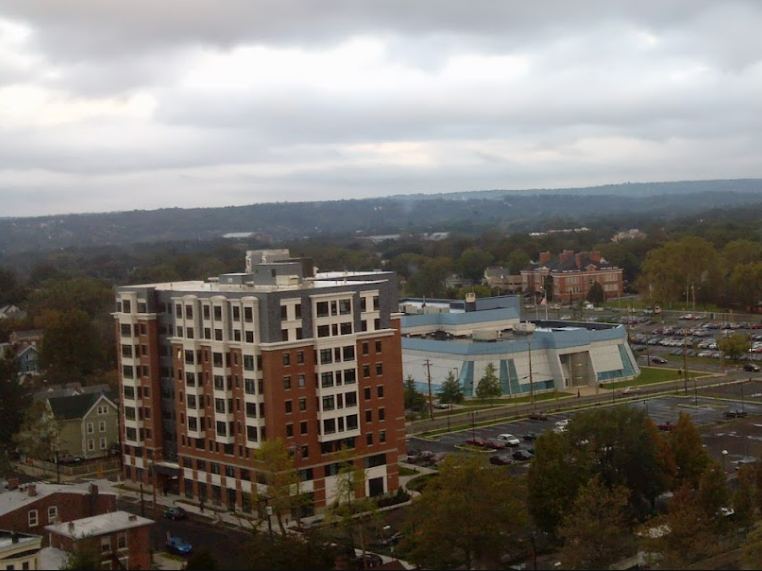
6,539
12,500
103,524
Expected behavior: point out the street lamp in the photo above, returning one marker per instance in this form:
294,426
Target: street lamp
724,454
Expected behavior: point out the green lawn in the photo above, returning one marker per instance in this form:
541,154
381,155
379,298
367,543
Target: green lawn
648,376
517,400
407,471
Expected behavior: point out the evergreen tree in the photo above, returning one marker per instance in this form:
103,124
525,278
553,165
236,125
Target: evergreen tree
451,391
414,400
489,385
15,398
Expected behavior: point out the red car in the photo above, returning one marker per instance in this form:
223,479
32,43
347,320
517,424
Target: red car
666,427
476,442
538,415
494,444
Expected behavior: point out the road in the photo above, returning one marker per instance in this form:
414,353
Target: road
704,412
227,545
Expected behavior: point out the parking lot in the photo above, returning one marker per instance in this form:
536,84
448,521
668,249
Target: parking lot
706,412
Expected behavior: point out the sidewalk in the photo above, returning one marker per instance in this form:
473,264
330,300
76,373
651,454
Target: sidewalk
214,514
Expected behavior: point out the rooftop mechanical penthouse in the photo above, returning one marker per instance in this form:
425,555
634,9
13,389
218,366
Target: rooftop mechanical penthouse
211,369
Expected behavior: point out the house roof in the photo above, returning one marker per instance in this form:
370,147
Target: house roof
75,406
18,349
13,500
70,389
95,526
570,263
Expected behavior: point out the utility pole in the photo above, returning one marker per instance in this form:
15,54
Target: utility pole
531,378
685,364
431,403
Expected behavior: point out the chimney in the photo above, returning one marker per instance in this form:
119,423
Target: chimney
14,536
13,484
93,489
578,261
544,257
71,527
565,255
32,490
133,517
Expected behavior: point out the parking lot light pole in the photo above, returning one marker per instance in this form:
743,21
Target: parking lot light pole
473,425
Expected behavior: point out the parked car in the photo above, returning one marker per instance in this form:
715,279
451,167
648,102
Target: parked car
500,459
735,414
175,514
666,426
476,441
630,391
746,461
531,436
538,415
751,368
178,546
562,423
509,439
393,540
439,457
495,444
522,455
659,360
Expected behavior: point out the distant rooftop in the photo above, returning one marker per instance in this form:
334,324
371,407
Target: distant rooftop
103,524
6,539
14,499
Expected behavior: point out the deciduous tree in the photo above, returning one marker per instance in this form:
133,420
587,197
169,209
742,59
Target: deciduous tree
595,294
734,345
276,463
469,515
595,531
691,459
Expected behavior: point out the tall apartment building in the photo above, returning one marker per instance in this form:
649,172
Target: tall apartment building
212,369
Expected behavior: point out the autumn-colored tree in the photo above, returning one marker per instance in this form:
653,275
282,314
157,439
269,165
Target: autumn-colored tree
595,532
713,493
71,348
691,459
469,516
751,553
743,498
683,536
39,435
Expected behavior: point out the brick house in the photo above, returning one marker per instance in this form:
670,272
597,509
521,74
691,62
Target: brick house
31,337
29,508
122,539
568,277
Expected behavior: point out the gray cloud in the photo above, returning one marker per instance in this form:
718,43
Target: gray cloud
181,102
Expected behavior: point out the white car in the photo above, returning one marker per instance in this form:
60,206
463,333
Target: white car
509,439
562,423
631,391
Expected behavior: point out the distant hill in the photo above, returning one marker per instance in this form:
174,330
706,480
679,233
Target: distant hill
513,210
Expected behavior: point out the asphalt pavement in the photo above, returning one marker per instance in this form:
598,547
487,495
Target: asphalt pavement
227,545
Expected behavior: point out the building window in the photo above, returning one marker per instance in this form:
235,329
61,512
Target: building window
103,443
302,404
34,519
368,416
345,306
286,359
249,336
287,383
289,430
350,399
106,544
289,407
329,403
378,346
102,426
380,391
301,381
303,427
90,428
248,314
248,362
352,422
366,371
52,514
369,439
322,309
381,414
121,541
350,376
382,436
349,353
367,393
329,426
323,331
90,444
284,313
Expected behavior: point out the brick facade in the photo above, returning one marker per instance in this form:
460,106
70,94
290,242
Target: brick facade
67,505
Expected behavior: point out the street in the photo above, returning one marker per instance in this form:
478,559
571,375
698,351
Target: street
227,545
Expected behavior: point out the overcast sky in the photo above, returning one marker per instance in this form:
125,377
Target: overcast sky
145,103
